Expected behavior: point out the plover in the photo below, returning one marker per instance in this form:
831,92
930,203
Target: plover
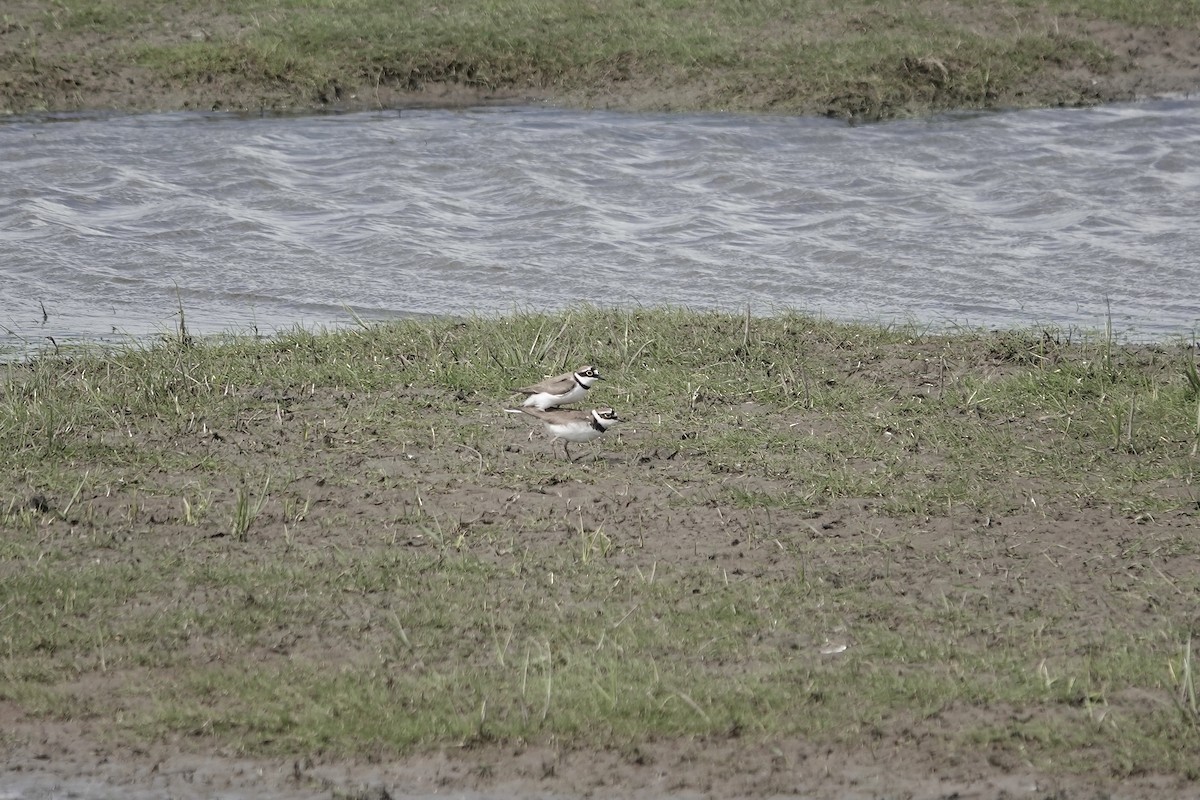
561,390
570,425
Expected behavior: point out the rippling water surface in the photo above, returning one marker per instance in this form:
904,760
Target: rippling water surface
1031,217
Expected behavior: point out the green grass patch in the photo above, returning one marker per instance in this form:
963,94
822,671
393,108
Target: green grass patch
856,59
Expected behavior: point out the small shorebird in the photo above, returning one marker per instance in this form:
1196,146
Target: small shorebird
573,426
561,390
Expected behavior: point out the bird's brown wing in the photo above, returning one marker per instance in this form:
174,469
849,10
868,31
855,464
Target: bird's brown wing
560,384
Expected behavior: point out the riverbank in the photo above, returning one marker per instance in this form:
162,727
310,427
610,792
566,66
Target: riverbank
813,559
856,60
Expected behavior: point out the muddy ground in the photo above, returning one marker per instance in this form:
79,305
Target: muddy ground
61,761
1078,553
1093,557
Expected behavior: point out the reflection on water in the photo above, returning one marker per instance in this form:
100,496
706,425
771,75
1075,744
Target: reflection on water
111,223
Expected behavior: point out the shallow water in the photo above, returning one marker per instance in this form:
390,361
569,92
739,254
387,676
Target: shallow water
109,224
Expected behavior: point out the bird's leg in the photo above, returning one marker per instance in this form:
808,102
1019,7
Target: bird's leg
567,451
